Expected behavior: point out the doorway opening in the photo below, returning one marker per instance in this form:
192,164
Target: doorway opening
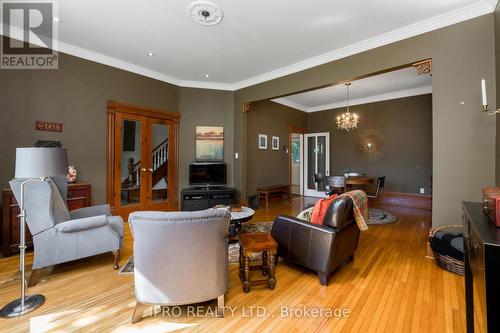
296,160
392,137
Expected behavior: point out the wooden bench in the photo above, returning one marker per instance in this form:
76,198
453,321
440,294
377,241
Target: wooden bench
274,190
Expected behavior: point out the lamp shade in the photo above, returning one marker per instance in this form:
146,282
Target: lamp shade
41,162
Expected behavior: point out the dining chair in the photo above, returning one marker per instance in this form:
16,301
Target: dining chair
380,188
319,180
335,184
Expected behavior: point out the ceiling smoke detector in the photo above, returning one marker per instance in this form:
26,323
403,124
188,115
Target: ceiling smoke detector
205,13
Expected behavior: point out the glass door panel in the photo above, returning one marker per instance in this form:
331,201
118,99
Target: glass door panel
159,162
317,164
311,162
321,155
130,162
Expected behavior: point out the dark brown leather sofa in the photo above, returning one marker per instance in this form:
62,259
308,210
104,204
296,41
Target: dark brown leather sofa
322,248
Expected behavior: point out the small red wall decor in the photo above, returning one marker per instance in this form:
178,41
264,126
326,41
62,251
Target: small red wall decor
48,126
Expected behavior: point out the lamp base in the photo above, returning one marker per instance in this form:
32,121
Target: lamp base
13,309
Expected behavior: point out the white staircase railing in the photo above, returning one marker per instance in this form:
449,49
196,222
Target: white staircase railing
160,155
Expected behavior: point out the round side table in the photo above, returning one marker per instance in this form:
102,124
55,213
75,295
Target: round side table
237,218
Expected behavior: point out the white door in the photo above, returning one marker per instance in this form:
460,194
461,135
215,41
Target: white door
297,163
316,161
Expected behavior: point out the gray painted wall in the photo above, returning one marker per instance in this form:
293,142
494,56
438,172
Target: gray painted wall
269,167
403,129
202,107
463,137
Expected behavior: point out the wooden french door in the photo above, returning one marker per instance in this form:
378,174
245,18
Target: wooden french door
142,159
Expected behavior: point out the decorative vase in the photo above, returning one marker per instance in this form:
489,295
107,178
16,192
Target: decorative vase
72,174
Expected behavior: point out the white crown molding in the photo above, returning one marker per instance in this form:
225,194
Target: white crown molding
462,14
17,33
289,103
358,101
207,85
493,4
79,52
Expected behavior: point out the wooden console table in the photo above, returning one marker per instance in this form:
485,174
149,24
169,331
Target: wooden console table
79,196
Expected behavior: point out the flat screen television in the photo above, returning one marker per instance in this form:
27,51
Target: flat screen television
207,174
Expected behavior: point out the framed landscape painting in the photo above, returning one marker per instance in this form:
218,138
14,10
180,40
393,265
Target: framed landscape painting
209,143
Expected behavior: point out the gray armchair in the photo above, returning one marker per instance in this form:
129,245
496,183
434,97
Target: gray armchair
60,235
179,258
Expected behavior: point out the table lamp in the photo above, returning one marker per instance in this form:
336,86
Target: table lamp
34,165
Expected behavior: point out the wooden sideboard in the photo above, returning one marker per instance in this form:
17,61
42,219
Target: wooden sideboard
79,196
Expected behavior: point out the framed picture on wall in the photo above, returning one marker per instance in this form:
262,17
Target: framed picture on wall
262,141
209,143
275,143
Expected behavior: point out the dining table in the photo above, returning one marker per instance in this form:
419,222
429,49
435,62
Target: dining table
359,181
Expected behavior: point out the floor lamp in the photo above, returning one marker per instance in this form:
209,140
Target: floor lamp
34,165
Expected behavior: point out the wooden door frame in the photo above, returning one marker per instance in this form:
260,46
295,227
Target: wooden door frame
112,108
291,130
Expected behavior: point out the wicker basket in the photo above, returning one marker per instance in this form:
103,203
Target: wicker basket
446,262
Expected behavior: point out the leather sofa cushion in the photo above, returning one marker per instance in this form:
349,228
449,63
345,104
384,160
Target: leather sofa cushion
340,213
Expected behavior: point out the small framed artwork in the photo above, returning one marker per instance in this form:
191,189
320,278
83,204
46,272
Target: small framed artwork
262,141
275,143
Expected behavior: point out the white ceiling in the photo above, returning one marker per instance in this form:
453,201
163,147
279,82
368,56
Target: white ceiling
396,84
257,40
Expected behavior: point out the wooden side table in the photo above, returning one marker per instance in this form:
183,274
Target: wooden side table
255,243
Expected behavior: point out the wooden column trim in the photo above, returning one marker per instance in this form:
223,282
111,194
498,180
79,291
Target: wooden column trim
246,107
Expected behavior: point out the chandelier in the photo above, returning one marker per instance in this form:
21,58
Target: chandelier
347,120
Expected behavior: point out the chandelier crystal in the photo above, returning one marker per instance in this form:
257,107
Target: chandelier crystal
347,120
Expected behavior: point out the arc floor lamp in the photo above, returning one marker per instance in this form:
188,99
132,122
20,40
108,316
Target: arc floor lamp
34,165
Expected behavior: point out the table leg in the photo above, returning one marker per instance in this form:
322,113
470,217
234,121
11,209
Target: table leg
264,263
242,261
270,277
246,275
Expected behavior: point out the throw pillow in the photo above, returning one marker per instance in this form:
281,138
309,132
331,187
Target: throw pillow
320,208
306,214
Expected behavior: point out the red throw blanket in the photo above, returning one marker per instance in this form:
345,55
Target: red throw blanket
319,210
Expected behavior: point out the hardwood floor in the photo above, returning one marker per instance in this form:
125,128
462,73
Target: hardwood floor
390,287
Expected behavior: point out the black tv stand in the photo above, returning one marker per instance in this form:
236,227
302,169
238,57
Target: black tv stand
199,198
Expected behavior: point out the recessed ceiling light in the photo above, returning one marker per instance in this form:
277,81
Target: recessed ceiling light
207,75
57,19
150,54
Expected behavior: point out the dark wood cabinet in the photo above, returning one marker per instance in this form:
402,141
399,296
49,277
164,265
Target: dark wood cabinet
482,270
79,196
204,198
